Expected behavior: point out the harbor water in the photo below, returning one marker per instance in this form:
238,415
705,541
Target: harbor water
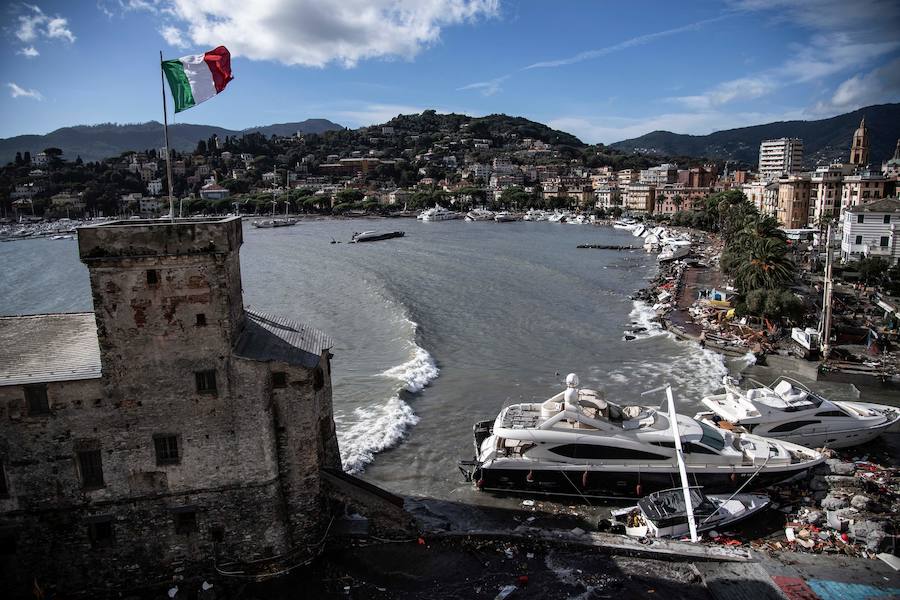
435,330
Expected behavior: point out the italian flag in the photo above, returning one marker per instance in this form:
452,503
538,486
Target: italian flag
199,77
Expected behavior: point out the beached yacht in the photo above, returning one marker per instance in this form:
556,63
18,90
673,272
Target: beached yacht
674,252
559,217
629,224
639,230
789,411
479,214
505,217
439,213
576,443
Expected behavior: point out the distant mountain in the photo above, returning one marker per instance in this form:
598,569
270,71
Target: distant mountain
95,142
823,141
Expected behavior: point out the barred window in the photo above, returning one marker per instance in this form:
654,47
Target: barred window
90,466
206,381
166,449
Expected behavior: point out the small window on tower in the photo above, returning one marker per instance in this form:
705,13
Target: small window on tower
279,379
860,218
206,381
185,520
887,219
166,446
36,398
152,277
100,532
201,320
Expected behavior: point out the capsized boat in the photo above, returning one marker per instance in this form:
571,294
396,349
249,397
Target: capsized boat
664,513
789,411
374,236
674,252
579,444
479,214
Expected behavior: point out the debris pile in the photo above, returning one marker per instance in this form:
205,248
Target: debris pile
848,507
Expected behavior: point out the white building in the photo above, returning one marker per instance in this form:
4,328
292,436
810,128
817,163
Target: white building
154,187
607,196
780,157
661,175
763,195
872,229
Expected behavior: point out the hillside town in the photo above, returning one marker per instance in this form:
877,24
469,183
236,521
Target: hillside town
415,161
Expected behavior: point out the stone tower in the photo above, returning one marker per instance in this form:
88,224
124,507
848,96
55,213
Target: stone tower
859,149
169,427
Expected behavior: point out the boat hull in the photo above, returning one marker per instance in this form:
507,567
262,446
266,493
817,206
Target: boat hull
624,483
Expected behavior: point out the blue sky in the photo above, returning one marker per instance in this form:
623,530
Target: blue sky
604,71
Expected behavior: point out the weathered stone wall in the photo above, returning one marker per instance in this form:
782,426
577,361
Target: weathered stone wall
249,454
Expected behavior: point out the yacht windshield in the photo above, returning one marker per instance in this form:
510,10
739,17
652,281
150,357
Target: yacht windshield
711,437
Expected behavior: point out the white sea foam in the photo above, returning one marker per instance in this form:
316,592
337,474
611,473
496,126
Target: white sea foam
417,372
643,315
377,428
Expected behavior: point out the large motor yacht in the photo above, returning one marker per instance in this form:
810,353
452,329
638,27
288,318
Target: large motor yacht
576,443
505,217
439,213
789,411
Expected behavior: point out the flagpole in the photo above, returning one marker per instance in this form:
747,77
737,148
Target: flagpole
162,82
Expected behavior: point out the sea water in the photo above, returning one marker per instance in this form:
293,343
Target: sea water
436,330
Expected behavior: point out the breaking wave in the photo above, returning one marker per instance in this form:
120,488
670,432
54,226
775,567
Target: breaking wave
377,428
643,324
417,372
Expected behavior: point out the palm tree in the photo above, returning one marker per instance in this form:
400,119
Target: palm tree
767,266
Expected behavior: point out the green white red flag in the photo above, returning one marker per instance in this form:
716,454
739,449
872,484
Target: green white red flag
196,78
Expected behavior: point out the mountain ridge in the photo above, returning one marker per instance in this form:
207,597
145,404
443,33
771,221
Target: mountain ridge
824,140
104,140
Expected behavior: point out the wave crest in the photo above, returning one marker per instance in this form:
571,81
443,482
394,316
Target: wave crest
417,372
378,428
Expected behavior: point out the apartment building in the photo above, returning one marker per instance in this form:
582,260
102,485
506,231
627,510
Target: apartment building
780,157
872,229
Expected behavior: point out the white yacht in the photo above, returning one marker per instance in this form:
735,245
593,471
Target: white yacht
639,230
505,217
559,217
439,213
576,443
535,214
579,220
664,513
674,252
789,411
479,214
629,224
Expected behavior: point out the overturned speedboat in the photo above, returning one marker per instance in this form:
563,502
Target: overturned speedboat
789,411
578,444
665,514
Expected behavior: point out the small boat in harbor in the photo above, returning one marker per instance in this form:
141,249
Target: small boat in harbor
789,411
665,514
264,223
439,213
578,444
505,217
479,214
374,236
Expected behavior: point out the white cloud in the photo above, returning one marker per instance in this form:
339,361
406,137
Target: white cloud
864,89
17,91
629,43
58,28
487,88
35,25
29,52
745,88
173,36
316,33
845,36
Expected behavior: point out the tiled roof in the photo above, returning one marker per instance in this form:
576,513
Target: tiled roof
885,205
267,337
45,348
